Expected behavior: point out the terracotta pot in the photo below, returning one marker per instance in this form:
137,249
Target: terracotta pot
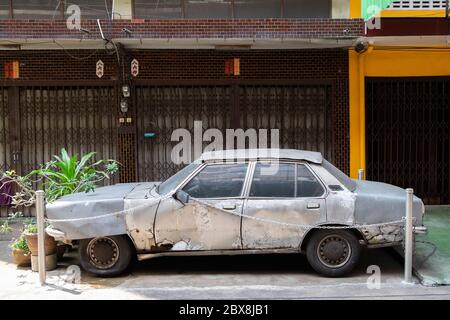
21,259
50,262
49,243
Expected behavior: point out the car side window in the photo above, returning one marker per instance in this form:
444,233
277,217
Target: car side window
307,184
273,180
217,181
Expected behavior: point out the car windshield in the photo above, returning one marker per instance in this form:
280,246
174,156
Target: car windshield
177,178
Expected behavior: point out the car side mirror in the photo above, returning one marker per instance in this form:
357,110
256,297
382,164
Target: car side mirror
181,196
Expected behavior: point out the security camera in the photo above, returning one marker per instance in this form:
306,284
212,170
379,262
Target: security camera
85,30
361,46
127,31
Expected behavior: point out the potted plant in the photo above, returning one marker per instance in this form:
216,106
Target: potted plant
20,252
31,237
61,176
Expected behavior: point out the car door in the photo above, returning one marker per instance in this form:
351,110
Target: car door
281,197
211,219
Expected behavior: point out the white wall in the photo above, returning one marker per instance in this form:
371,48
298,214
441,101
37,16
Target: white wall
340,9
123,9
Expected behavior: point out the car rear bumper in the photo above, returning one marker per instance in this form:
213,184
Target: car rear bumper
420,230
55,233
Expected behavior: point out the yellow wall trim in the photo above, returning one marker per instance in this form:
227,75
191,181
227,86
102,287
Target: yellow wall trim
412,13
407,63
355,8
384,63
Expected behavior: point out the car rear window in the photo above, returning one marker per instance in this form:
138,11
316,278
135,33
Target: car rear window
217,181
273,183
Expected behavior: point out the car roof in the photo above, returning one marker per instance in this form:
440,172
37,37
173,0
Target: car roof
243,154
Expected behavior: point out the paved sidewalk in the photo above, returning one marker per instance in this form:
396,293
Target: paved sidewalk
239,277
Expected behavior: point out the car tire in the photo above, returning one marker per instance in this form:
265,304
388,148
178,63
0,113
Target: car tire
333,253
105,256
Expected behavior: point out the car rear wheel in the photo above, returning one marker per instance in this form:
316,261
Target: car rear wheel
105,256
333,253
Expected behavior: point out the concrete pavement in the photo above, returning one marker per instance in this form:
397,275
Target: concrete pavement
235,277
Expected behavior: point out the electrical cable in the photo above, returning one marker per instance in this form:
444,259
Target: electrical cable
429,255
75,57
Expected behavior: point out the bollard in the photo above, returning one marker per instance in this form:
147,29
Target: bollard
360,174
40,208
408,236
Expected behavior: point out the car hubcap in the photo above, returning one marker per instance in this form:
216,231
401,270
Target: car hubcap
103,252
334,251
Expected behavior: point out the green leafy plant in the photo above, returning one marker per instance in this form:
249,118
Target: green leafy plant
68,175
31,228
20,244
5,227
62,176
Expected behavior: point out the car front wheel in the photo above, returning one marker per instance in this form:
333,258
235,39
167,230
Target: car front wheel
333,253
105,256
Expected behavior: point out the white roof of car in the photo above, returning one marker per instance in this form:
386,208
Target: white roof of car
290,154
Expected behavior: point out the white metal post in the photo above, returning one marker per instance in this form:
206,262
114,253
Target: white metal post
409,236
40,208
360,174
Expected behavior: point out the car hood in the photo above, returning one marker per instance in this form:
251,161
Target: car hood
378,202
102,200
99,213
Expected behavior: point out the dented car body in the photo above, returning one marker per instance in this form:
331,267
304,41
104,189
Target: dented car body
241,202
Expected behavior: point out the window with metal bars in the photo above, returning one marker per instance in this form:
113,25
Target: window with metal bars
417,5
54,9
231,9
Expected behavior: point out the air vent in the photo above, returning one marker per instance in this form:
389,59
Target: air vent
417,5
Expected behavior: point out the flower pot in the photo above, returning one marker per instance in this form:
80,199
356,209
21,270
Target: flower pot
49,244
50,262
21,259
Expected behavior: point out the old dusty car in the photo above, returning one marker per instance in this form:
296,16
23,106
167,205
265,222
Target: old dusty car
236,202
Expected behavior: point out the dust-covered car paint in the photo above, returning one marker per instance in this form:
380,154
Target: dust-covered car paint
159,223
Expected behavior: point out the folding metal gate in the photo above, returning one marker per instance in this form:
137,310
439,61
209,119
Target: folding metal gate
407,134
299,111
5,147
163,109
37,121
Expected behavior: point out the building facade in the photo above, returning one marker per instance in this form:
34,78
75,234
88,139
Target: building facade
399,99
269,64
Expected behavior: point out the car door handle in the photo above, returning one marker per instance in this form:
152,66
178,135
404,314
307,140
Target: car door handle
229,206
313,205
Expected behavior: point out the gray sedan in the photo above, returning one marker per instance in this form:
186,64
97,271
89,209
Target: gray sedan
236,202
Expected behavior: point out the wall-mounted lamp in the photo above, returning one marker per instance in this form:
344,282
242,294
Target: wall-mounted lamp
127,31
85,30
361,46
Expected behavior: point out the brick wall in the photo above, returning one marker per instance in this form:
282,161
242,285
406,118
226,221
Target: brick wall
329,64
187,28
255,64
60,65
